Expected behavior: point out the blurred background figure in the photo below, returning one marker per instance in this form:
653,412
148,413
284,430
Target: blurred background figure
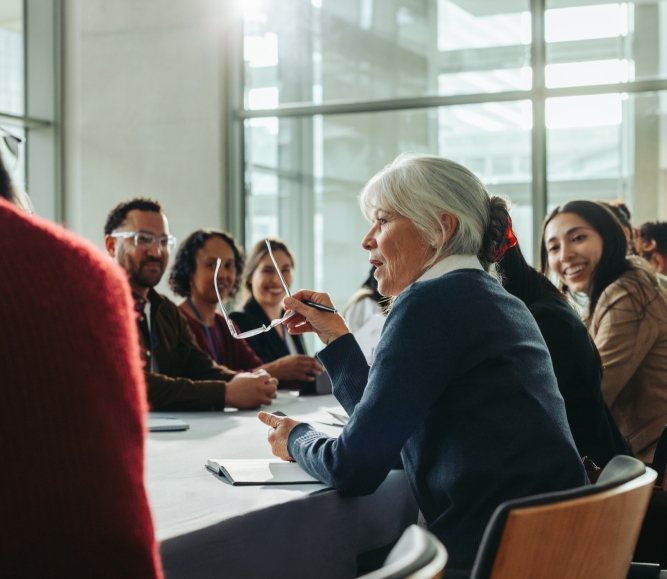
651,244
584,244
264,293
622,213
73,403
364,314
365,303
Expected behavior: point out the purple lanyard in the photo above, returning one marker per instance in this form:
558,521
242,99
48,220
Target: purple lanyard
208,333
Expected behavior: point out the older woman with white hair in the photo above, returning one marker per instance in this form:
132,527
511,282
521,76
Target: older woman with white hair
461,385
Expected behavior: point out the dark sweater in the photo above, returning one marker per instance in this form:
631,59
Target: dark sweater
577,370
462,382
234,354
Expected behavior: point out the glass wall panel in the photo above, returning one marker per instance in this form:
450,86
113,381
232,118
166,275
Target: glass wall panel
592,42
11,57
328,50
303,180
609,147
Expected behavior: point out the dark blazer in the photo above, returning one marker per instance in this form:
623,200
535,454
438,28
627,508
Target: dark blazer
188,378
578,373
269,346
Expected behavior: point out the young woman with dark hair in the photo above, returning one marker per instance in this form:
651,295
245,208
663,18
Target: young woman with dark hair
575,360
585,246
263,294
193,278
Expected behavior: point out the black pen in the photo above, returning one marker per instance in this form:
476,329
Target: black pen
319,307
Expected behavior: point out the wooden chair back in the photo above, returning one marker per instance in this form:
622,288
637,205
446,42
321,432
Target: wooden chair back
584,537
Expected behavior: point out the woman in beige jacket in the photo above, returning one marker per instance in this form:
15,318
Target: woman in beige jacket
584,244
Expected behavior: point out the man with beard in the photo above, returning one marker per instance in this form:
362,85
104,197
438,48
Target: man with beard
179,375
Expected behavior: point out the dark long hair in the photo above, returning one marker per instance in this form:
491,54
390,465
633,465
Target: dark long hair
613,262
185,263
523,281
653,231
6,187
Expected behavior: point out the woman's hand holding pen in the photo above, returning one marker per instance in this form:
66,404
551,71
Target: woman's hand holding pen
327,325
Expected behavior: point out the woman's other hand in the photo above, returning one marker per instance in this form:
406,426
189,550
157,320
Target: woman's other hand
326,325
279,433
294,367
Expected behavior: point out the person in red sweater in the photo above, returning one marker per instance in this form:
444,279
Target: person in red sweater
72,497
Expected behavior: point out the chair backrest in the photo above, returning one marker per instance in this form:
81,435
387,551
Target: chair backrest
660,459
417,555
587,532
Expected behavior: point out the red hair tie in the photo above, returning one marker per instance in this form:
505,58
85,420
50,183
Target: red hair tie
509,242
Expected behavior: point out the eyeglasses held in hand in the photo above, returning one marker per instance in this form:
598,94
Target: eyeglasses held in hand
264,328
145,239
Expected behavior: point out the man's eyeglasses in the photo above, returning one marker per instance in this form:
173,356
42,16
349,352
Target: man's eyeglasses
145,239
264,328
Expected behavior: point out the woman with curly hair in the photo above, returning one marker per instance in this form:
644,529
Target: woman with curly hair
193,278
585,246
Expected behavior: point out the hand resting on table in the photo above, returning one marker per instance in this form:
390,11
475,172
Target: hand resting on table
281,427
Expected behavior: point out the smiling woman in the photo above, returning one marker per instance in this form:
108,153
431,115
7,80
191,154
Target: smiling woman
584,245
284,356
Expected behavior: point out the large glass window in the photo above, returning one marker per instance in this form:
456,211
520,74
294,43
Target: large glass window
609,147
327,50
592,43
544,101
11,84
11,57
307,194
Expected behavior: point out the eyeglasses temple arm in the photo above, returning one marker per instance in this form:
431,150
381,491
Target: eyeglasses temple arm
273,259
230,325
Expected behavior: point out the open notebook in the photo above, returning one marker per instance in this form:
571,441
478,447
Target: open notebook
260,471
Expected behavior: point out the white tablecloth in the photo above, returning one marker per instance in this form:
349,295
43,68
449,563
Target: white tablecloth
209,528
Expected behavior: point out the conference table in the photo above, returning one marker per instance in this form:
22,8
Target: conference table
210,528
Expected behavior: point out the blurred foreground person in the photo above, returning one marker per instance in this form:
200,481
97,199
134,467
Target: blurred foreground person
180,376
461,384
72,496
585,246
575,360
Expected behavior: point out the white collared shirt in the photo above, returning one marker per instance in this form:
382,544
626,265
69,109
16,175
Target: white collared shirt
449,264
